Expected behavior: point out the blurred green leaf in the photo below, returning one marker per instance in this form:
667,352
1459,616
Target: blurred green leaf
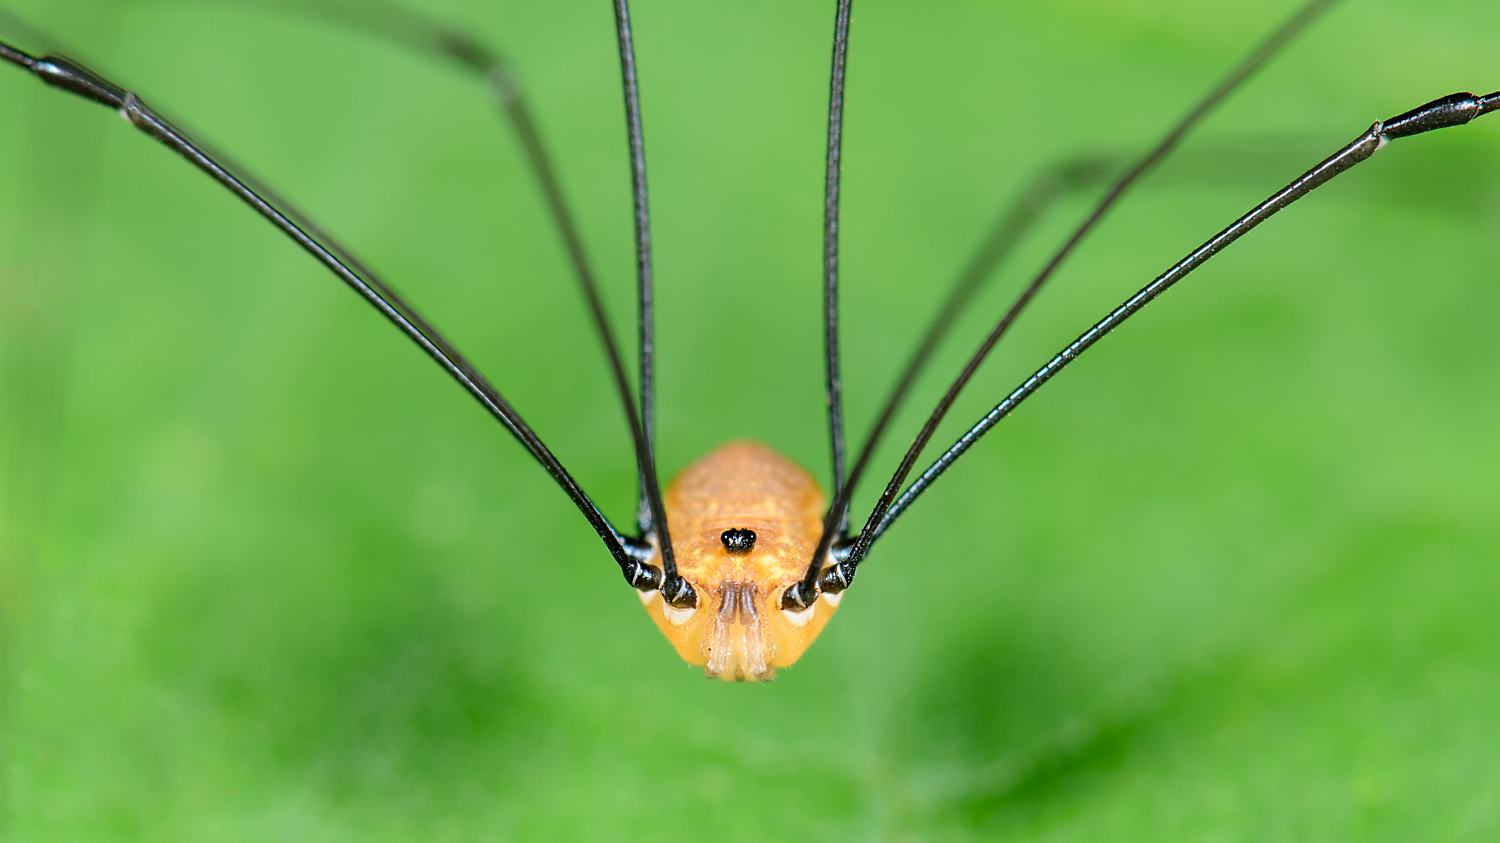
268,575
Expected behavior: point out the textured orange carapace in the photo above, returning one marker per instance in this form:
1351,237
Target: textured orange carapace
738,630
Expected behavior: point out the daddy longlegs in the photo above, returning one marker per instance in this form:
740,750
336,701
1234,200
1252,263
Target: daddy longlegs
742,560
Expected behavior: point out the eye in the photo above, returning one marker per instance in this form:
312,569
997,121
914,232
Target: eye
738,541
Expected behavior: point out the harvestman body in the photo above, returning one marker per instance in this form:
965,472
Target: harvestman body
745,521
756,559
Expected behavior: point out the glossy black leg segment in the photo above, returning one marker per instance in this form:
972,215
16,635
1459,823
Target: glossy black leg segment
653,516
800,595
1046,189
1453,110
72,77
642,216
428,37
833,384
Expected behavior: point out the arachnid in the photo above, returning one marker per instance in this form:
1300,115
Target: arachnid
743,559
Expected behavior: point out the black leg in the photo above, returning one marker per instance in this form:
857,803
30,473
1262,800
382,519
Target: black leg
424,35
675,590
429,37
642,215
1049,186
834,386
1259,56
68,76
1453,110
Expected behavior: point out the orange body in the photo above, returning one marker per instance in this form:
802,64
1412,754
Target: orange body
738,629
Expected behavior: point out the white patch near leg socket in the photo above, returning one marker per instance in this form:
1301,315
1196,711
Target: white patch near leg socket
676,616
802,618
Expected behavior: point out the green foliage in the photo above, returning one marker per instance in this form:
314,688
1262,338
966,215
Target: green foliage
268,575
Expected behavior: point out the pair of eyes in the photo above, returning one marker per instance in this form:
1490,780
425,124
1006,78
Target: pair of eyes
738,540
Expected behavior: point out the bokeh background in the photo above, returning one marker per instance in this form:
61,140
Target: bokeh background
267,574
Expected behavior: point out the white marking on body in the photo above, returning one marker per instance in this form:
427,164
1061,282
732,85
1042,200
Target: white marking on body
800,619
833,599
676,616
647,596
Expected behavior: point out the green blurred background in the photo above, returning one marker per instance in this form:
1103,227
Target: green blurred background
268,575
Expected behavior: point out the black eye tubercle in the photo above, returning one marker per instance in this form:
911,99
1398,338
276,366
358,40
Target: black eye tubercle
737,540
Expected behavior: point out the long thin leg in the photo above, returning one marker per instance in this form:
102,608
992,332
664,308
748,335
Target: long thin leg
650,513
1041,193
1452,110
645,286
429,37
426,36
68,76
413,30
803,594
834,386
1018,217
675,590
